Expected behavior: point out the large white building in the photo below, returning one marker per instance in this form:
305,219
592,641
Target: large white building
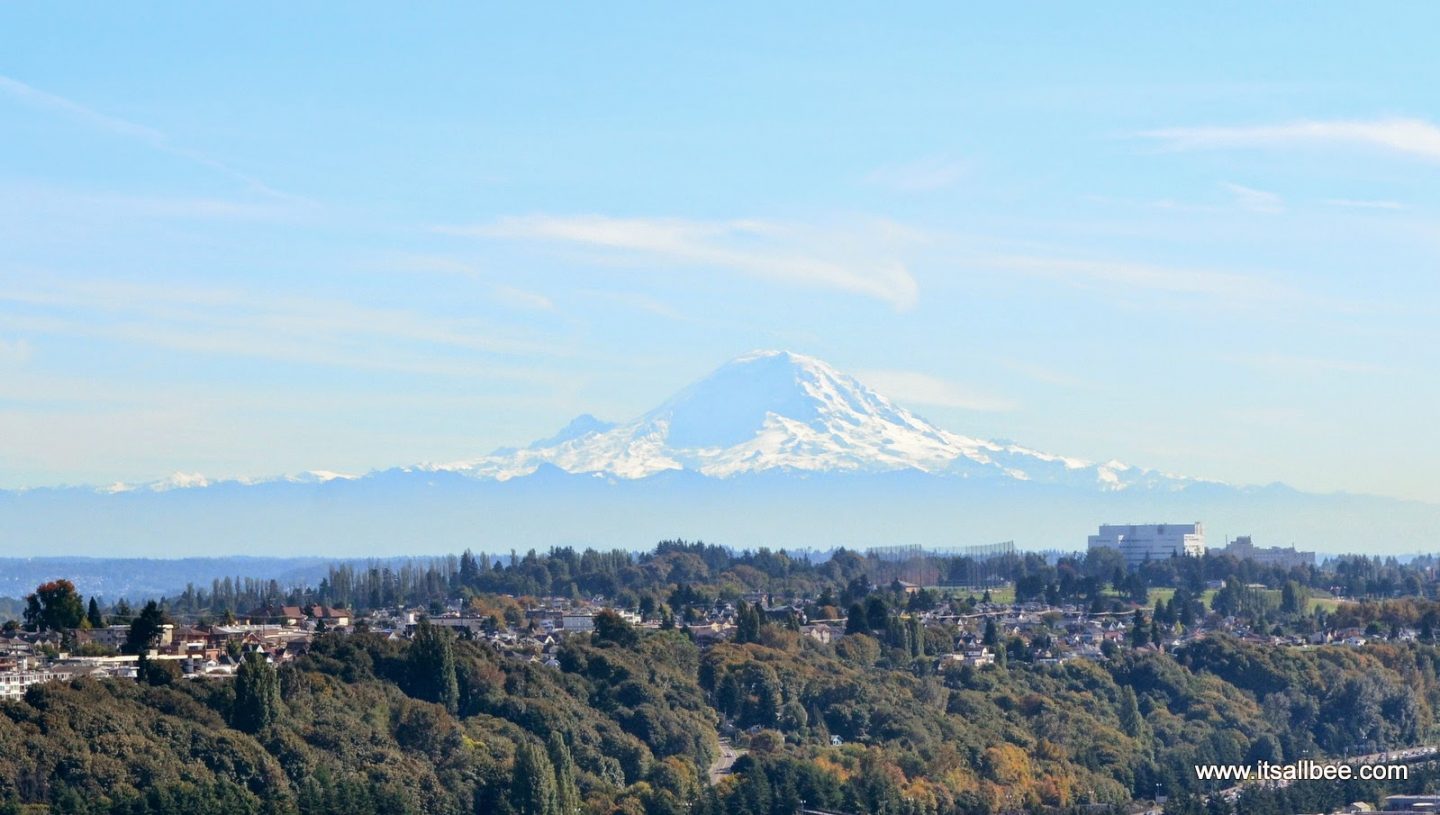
1286,557
1142,542
581,622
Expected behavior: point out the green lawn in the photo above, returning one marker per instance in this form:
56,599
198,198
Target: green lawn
1166,594
999,594
1327,603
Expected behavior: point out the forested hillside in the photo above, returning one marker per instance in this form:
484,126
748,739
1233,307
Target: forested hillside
628,722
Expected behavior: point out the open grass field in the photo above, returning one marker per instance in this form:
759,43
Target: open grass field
1165,594
1326,602
998,594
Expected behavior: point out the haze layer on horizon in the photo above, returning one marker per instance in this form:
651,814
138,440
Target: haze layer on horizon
265,239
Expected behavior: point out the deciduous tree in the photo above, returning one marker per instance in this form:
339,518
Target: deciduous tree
55,606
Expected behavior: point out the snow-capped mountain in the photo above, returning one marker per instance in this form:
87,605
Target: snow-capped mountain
772,449
186,481
777,410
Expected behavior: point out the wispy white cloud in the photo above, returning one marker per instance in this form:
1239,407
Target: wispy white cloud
1280,417
1249,198
914,387
156,139
854,261
1412,137
1308,365
521,298
439,264
1229,287
637,301
924,175
14,352
1043,373
1351,203
325,332
50,199
59,104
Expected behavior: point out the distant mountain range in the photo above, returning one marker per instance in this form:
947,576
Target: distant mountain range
773,448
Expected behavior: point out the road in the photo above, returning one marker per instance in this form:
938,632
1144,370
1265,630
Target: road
722,764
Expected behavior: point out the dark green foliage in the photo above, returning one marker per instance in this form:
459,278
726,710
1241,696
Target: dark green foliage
349,739
629,722
612,628
856,621
430,667
55,606
145,630
747,623
532,783
567,793
876,611
93,616
639,729
1131,720
157,672
257,695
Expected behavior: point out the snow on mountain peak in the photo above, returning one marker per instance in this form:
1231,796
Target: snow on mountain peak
581,425
180,481
778,410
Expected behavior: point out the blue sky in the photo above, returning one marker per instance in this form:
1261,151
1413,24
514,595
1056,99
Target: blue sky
260,238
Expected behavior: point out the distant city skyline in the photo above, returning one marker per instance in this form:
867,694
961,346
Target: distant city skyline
353,241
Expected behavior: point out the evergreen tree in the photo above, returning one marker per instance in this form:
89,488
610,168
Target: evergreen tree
729,695
567,793
855,622
469,569
1184,606
145,630
430,666
763,685
257,695
1139,630
876,611
747,623
896,634
1292,598
1130,719
532,784
92,615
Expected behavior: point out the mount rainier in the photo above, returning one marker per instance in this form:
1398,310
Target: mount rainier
777,410
771,449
